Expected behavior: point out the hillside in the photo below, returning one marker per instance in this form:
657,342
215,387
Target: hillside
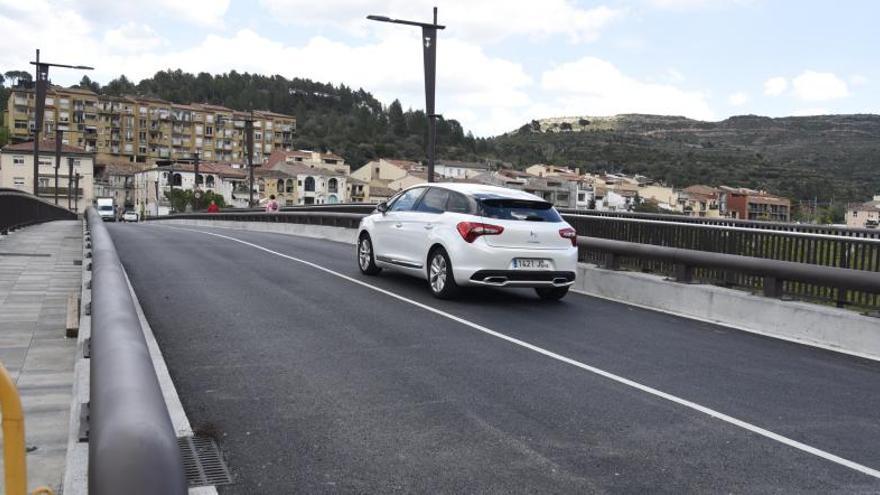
834,157
826,157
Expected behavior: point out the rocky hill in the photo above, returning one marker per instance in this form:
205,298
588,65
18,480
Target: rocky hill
828,157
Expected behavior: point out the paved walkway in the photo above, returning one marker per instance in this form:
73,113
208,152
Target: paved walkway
37,272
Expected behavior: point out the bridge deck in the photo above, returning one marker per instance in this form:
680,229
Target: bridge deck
315,382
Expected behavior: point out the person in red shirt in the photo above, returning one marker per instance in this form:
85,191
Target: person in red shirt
272,205
213,208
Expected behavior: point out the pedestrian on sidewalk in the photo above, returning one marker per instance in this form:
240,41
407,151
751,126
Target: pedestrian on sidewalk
213,208
272,205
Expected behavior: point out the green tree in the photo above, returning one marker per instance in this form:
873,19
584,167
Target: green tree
87,83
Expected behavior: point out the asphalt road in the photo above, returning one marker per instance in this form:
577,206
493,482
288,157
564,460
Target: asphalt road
315,383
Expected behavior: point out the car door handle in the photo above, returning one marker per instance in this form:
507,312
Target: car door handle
398,225
429,226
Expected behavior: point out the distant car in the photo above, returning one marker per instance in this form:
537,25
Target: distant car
454,234
130,216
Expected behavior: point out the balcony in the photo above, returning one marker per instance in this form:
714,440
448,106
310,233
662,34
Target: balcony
62,191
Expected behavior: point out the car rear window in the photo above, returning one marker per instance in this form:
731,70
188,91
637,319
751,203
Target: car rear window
519,209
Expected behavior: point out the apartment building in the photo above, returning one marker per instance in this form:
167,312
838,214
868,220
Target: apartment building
145,129
313,159
864,215
700,201
455,169
749,204
17,171
151,186
116,180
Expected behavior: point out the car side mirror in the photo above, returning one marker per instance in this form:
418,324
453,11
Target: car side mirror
382,207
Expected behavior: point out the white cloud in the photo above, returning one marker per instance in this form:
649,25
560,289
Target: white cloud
692,4
738,99
206,12
591,86
858,80
775,86
819,86
483,21
132,37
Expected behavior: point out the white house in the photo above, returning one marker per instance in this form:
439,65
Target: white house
17,172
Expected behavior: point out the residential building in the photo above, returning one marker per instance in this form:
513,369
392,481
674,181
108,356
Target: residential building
384,170
314,159
666,198
749,204
864,215
379,194
700,201
157,182
542,170
408,180
454,169
17,171
358,191
116,180
310,185
144,129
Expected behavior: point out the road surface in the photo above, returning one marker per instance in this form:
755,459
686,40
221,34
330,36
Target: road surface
315,378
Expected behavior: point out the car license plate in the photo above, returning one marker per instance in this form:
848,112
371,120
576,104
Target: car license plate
531,264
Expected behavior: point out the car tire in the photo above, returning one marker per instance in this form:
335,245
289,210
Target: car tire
440,277
551,293
366,257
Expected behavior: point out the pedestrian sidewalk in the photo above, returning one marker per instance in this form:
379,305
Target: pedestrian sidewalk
40,266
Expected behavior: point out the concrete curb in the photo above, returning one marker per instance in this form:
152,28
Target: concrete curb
834,329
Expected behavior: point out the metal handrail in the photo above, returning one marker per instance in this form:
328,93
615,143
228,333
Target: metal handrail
132,444
729,228
844,278
19,209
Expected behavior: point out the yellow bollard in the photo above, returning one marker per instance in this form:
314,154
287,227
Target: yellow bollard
13,436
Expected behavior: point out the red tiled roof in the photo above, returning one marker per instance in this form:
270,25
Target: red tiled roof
221,169
45,145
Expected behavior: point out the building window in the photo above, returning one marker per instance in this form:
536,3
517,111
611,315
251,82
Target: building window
209,181
18,160
310,184
18,182
178,180
288,186
332,186
279,187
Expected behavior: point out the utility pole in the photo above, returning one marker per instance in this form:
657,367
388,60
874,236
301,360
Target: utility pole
76,192
171,188
69,180
58,133
196,181
157,193
40,85
429,52
249,140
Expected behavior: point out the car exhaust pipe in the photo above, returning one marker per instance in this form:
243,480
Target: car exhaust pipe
495,280
559,281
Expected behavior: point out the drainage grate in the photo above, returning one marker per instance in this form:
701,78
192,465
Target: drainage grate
203,462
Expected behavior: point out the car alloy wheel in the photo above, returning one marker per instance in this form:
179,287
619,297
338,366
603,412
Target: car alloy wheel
366,261
438,272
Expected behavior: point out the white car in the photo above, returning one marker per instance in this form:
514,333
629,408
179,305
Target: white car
130,216
454,234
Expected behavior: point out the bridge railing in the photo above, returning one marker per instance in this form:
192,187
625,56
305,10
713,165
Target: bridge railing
132,444
839,248
857,252
19,209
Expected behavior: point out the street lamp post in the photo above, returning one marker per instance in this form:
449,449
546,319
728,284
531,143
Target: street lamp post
58,133
41,83
76,192
429,51
69,180
196,181
249,142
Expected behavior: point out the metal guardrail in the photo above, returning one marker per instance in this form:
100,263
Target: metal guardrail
644,244
831,248
132,444
730,222
19,209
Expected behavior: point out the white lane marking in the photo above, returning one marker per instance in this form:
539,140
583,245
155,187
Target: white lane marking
586,367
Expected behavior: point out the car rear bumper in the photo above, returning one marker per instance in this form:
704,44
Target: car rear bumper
522,278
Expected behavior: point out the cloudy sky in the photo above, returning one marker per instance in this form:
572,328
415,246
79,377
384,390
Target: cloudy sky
500,62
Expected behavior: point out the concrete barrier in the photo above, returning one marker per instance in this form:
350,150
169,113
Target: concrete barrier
337,234
830,328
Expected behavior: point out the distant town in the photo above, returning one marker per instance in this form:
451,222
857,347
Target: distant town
142,152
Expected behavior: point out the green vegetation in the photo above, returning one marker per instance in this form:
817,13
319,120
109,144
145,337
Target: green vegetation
181,198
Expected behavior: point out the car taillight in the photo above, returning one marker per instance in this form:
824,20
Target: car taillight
569,234
471,230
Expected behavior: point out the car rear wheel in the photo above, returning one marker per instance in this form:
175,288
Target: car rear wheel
551,293
440,277
366,259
